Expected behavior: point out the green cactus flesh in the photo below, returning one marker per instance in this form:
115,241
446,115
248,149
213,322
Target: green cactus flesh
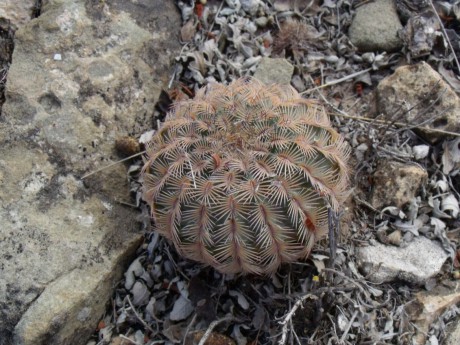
241,177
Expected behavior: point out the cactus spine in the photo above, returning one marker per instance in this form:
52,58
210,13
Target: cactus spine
241,176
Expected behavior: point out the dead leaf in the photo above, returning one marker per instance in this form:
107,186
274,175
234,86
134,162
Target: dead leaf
242,301
260,319
436,204
440,234
188,31
182,309
140,293
450,203
135,270
451,155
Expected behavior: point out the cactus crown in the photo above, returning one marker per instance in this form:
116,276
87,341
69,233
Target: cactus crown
241,176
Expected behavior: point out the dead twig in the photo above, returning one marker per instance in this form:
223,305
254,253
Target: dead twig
419,115
139,318
290,305
341,113
184,340
112,164
287,319
351,280
366,204
398,124
128,339
315,292
332,218
347,329
445,34
213,325
337,81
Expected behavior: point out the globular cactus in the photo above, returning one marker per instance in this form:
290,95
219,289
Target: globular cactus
241,177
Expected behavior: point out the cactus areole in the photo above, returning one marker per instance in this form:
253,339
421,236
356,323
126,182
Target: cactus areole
241,176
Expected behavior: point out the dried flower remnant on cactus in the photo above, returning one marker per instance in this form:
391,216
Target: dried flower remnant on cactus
241,176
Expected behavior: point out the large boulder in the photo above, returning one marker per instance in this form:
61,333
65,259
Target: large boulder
83,73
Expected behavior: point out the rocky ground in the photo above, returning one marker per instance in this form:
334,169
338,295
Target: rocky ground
86,75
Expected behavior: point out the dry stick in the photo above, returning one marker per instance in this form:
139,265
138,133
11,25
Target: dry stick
399,124
128,339
111,165
290,306
114,311
176,266
406,128
347,329
214,21
212,326
4,72
410,127
139,318
407,111
290,314
332,235
296,337
173,76
339,29
315,292
184,340
445,34
215,17
343,114
351,280
337,81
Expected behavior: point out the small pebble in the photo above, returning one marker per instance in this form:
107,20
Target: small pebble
261,22
420,151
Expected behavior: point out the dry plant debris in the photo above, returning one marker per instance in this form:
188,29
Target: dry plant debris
326,299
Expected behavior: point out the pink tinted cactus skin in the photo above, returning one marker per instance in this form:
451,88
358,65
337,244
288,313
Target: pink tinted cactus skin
241,176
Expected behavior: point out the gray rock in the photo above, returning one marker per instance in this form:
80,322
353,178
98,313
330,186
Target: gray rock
64,241
418,94
375,27
420,260
14,14
68,306
271,71
396,183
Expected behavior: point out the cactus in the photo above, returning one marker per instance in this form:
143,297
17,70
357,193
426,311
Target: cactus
241,177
